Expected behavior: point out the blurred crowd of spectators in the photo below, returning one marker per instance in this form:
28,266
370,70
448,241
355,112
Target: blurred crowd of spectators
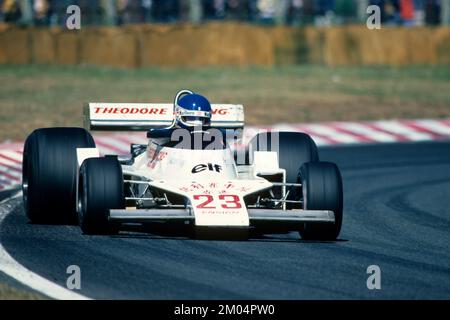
413,12
291,12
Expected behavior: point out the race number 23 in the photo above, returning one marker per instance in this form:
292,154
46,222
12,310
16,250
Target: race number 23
227,201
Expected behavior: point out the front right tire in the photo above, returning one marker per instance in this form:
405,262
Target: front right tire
322,190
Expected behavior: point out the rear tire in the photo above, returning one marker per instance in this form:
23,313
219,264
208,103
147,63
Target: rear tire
49,173
322,190
100,189
293,148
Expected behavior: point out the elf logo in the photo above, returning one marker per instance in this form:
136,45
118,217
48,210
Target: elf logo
202,167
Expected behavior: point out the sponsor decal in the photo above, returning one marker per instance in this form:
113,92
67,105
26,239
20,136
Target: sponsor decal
129,110
221,112
148,110
206,188
202,167
227,201
155,157
214,188
221,204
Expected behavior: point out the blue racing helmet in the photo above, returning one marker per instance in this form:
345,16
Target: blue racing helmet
193,111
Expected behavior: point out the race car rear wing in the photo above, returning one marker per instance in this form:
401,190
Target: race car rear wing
145,116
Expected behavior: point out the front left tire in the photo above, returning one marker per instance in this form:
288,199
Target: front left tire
100,189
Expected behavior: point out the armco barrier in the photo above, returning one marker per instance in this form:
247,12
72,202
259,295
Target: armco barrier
290,45
443,45
68,48
43,44
15,46
315,43
224,44
214,44
109,46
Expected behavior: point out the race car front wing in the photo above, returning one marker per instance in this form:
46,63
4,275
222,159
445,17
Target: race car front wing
256,216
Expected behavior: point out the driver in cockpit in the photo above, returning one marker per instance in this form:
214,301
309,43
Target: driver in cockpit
191,124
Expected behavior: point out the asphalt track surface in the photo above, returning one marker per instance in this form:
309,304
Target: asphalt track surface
397,216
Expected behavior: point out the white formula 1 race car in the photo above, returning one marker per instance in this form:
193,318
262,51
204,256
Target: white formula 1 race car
274,183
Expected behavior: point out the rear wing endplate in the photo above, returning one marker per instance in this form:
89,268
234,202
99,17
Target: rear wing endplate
146,116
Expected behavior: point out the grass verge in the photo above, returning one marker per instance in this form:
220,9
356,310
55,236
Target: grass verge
9,293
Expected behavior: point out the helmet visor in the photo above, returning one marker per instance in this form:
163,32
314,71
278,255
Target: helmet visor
196,121
194,118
